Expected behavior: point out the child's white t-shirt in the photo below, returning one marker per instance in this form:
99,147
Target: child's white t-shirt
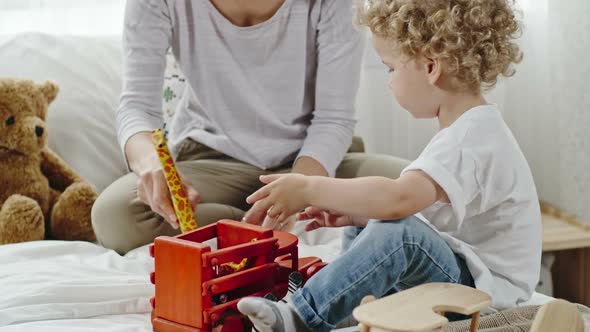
493,220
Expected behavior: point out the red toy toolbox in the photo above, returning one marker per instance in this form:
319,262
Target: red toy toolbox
192,292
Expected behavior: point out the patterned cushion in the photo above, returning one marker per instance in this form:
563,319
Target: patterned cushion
174,81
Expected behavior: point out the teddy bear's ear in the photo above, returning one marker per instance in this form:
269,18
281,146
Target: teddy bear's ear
49,90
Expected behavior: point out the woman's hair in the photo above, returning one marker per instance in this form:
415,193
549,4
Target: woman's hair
474,38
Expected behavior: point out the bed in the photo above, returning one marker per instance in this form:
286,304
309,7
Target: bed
80,286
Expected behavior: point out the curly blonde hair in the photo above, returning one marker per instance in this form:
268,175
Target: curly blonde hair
474,38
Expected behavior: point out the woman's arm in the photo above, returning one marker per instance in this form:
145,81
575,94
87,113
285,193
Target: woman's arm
339,52
146,38
140,153
309,166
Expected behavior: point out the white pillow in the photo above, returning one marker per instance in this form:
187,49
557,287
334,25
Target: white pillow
81,121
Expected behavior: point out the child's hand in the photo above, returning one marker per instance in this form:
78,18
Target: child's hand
323,218
283,196
284,226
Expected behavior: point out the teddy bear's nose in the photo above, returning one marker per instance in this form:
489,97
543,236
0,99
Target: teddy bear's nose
39,131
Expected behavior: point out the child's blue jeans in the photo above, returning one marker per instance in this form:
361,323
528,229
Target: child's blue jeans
383,258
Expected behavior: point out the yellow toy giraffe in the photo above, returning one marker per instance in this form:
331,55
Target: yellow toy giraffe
182,207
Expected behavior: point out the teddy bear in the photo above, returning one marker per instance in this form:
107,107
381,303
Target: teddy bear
41,197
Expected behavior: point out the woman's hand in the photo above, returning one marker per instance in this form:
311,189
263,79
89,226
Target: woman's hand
152,189
323,218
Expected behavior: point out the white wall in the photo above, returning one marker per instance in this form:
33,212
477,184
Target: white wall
78,17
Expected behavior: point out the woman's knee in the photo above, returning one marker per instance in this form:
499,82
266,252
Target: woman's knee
113,212
365,164
208,213
122,222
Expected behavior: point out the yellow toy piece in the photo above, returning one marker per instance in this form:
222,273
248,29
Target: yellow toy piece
182,207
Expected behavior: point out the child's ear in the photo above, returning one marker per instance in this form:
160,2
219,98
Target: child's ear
433,70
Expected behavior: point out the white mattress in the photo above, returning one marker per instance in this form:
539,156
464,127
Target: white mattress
79,286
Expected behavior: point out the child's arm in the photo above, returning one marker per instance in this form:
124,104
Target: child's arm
372,197
322,218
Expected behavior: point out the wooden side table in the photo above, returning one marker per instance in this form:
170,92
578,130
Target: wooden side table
569,239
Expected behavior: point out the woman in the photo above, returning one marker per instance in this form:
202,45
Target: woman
271,87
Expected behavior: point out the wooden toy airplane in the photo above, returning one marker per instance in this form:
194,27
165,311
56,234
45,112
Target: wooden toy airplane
421,309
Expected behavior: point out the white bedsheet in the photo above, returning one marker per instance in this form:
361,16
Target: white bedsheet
79,286
57,285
